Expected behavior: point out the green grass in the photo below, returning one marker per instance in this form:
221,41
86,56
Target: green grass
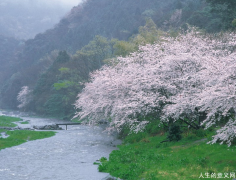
18,137
76,120
6,121
25,122
2,130
142,156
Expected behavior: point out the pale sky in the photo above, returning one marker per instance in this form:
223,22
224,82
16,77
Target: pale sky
68,3
25,18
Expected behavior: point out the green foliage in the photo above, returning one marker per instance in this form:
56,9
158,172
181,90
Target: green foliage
234,23
133,137
58,87
201,133
54,105
8,59
64,70
154,127
62,57
205,19
226,9
94,52
174,133
64,84
147,33
6,121
103,159
96,163
122,48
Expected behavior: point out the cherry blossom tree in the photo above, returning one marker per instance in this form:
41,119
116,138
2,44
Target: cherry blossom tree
176,78
210,89
24,96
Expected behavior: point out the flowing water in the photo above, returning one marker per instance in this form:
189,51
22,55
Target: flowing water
69,155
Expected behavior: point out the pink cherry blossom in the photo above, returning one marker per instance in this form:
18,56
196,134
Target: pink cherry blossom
24,96
171,78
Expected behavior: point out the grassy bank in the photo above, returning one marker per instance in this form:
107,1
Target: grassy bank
6,121
18,137
143,156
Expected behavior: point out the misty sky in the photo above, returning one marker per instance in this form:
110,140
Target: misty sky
24,19
70,3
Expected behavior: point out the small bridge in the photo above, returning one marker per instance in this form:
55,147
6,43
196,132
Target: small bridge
67,124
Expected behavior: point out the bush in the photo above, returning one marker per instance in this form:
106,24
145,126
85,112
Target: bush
200,133
174,133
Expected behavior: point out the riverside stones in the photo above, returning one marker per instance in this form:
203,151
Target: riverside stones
48,127
15,128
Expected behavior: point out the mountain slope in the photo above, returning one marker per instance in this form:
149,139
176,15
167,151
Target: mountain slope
119,19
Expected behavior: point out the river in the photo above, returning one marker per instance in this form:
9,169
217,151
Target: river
69,155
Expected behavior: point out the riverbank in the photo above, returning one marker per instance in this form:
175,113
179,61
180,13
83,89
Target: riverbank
143,156
11,138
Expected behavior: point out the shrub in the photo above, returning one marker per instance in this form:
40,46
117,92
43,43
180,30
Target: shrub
174,133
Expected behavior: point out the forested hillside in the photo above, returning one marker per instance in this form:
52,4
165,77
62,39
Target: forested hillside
55,64
9,49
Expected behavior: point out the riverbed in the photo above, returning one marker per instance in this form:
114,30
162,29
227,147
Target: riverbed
69,155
